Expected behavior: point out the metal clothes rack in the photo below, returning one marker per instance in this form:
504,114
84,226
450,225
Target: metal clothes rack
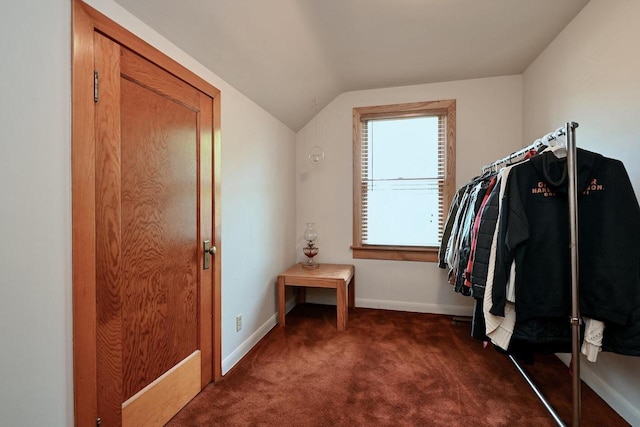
568,130
545,140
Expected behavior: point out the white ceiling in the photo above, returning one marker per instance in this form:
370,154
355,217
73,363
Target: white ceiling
292,57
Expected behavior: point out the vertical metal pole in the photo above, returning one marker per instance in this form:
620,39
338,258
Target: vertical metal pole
572,160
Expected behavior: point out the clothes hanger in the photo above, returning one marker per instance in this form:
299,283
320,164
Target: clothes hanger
551,140
559,149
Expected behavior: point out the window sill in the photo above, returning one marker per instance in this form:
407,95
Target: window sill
396,253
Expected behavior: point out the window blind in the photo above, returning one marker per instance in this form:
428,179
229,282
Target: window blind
428,184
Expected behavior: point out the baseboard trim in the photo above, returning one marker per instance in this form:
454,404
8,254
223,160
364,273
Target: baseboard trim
236,355
614,399
454,310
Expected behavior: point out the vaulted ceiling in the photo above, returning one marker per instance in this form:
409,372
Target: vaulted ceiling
292,57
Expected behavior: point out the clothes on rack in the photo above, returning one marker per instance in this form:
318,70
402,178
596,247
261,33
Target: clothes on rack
509,248
499,328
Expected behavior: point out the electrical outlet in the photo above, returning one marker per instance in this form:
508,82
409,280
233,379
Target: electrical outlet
238,322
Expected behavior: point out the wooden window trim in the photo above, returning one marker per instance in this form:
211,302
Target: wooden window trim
397,253
430,108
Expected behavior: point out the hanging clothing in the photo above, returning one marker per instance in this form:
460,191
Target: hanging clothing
464,243
451,218
507,246
475,232
451,253
499,328
593,334
535,224
485,240
623,339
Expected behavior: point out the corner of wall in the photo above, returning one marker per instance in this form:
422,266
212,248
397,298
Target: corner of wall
245,347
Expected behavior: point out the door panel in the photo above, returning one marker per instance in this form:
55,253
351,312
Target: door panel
153,156
144,73
159,235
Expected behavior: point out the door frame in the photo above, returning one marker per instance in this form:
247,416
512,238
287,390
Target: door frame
86,20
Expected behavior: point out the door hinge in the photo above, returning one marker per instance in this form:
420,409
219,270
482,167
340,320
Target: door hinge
95,88
98,422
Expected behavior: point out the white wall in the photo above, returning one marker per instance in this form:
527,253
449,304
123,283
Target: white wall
488,126
589,74
258,186
35,214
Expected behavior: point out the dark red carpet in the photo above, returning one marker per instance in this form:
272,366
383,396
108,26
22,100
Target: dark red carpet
388,369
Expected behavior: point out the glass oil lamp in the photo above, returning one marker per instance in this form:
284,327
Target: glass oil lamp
311,250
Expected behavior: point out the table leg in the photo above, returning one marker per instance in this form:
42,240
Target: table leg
301,295
352,291
281,301
341,307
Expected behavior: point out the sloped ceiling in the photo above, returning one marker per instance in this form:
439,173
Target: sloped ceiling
292,57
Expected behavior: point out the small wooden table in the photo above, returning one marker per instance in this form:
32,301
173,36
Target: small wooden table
337,276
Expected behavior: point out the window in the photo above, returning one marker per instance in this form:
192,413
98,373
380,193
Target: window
403,175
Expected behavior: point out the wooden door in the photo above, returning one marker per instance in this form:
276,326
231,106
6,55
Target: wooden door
153,211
